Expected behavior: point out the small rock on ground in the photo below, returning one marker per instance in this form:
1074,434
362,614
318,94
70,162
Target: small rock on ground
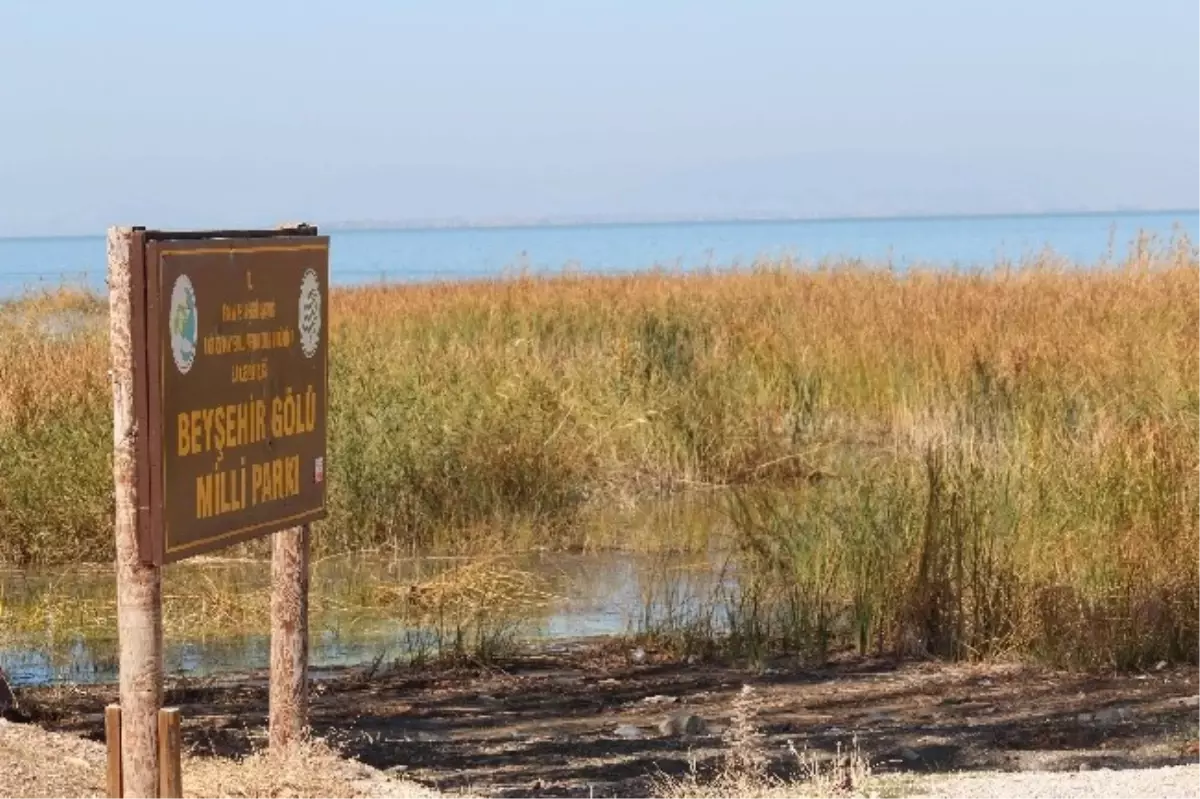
659,699
683,724
629,732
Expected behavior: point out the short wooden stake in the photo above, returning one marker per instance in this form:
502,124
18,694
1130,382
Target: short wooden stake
112,739
288,712
170,754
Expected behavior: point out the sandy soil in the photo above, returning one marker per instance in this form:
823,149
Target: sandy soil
586,722
38,763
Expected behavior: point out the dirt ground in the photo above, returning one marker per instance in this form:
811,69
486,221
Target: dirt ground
585,720
38,763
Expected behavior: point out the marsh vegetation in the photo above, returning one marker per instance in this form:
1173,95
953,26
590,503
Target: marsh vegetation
967,465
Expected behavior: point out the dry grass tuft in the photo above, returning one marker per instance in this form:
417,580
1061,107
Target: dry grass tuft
746,758
309,769
474,609
38,763
746,770
467,591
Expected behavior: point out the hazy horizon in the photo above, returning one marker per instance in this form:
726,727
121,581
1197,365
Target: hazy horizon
171,117
382,225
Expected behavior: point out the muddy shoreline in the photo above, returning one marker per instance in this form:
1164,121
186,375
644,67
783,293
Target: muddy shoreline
597,719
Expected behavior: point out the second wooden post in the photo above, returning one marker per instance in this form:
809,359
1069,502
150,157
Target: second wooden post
289,637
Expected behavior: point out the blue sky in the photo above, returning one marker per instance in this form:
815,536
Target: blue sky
220,113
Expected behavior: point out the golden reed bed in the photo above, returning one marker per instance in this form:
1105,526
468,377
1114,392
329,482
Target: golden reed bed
1016,449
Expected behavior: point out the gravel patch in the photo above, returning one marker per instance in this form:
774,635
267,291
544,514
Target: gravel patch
1147,783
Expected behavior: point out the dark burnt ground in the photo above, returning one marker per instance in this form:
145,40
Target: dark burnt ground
545,725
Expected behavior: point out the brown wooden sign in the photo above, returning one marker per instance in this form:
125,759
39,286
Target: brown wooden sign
236,386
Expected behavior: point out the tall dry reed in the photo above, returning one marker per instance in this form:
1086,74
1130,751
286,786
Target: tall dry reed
971,463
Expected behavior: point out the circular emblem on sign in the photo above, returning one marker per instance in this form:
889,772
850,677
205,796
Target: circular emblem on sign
310,313
182,323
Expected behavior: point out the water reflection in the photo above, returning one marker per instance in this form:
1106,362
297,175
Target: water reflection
590,595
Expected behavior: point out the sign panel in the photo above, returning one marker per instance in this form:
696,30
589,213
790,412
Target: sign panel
237,360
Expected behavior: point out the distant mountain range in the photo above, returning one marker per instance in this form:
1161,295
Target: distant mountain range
651,219
543,221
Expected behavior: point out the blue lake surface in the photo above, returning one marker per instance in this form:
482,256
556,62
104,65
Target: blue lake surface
419,255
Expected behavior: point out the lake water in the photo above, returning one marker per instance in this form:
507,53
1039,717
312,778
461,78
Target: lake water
415,255
72,635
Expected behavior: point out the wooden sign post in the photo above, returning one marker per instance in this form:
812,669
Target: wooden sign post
219,346
289,637
139,587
